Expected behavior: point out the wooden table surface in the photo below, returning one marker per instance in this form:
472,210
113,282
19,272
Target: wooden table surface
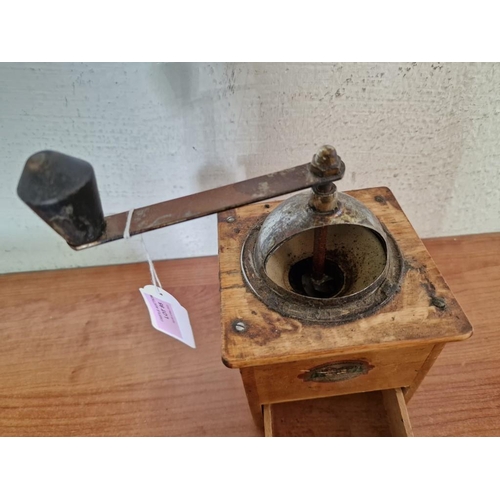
78,355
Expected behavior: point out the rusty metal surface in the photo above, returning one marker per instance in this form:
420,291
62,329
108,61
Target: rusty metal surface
337,371
293,218
212,201
327,163
319,253
324,197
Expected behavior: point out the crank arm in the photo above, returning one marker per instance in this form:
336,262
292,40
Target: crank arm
62,190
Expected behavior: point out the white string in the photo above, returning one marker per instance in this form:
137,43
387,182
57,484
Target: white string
154,277
126,235
126,232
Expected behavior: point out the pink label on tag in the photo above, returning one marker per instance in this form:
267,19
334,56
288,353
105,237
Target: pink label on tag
164,315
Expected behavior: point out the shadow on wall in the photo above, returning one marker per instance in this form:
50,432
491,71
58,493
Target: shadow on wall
181,78
195,93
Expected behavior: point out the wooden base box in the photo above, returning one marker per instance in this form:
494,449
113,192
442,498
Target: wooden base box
286,364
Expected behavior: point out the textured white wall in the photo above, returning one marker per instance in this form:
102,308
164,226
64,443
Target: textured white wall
429,131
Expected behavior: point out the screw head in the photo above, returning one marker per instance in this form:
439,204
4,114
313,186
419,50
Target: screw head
438,302
239,326
230,219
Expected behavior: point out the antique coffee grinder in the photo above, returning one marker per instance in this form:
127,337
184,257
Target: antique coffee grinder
331,307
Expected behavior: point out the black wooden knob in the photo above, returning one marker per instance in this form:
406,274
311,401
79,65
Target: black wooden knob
62,190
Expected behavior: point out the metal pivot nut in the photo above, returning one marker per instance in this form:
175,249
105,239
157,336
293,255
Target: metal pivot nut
327,163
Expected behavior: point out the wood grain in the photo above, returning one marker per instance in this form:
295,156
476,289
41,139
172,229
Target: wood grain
252,393
78,355
268,420
408,319
397,413
461,394
388,369
423,371
352,415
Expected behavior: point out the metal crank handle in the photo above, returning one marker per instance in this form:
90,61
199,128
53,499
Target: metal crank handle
62,190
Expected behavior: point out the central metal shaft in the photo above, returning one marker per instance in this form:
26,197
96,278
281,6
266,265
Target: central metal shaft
323,200
319,253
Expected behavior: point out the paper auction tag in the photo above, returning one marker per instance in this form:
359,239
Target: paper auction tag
167,315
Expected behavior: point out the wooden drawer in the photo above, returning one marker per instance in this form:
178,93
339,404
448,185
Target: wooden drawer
378,413
323,377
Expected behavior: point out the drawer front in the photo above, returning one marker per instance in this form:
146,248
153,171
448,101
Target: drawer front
378,413
331,376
